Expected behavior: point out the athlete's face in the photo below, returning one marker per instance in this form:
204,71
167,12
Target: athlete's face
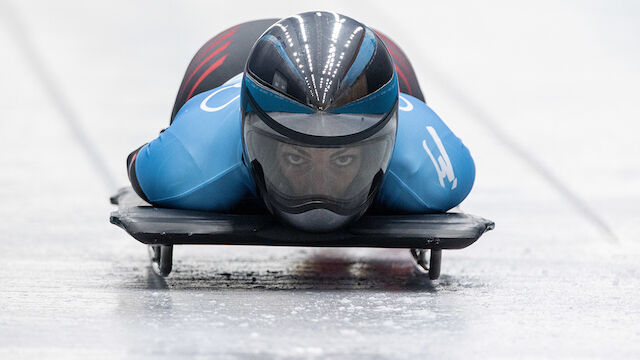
319,171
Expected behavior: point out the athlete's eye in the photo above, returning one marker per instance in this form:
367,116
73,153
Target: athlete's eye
294,159
343,160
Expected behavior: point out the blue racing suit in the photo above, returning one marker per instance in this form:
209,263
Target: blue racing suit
197,162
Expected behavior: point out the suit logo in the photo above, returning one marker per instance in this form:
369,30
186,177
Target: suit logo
443,166
204,104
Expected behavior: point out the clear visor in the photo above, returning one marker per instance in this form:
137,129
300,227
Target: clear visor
300,177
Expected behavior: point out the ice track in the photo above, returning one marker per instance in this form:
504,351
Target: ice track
544,95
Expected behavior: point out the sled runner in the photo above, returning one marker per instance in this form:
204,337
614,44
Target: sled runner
161,228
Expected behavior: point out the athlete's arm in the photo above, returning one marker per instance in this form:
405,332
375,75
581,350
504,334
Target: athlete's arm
131,172
431,170
196,163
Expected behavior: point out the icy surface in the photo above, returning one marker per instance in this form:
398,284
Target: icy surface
84,83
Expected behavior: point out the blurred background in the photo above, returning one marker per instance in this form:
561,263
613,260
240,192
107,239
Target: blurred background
544,94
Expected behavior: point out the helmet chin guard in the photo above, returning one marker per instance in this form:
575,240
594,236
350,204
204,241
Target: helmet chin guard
316,220
319,107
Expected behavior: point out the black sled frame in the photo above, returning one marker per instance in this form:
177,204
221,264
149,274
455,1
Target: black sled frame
162,228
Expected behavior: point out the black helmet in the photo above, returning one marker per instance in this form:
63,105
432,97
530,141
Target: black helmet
319,116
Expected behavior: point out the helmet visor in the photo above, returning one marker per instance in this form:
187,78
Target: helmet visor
299,177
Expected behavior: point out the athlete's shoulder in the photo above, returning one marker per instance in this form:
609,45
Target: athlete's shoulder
417,120
208,124
413,109
196,163
217,102
430,169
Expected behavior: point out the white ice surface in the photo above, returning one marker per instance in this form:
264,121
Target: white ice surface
557,79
